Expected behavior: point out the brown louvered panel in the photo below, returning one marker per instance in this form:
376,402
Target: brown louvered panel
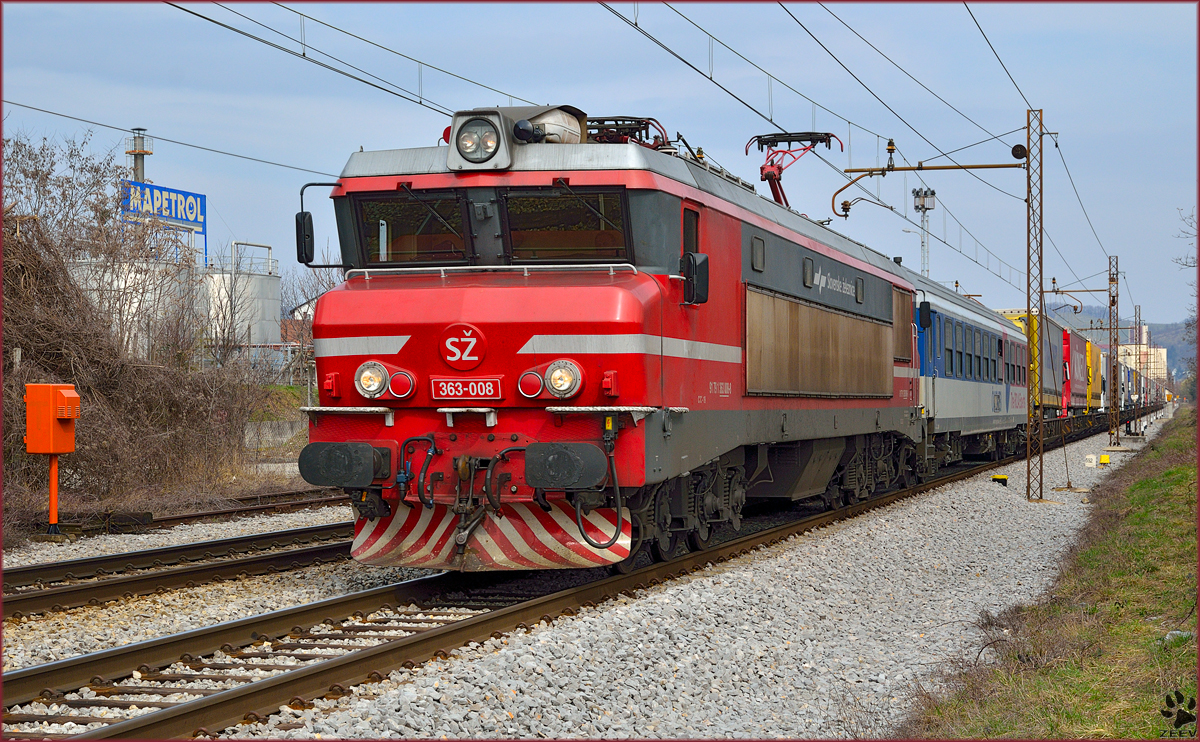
800,349
902,311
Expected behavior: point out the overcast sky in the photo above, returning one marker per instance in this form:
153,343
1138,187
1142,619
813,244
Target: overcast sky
1117,83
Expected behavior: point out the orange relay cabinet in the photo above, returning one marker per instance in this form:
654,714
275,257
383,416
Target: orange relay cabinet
50,413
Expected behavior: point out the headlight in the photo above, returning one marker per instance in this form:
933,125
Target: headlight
371,379
563,378
478,140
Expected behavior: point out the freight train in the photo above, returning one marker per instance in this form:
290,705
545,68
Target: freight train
562,339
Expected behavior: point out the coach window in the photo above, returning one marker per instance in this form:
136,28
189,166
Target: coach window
565,224
758,254
995,346
987,354
948,334
978,357
969,351
958,350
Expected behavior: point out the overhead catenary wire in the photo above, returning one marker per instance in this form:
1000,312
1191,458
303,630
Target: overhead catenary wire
998,59
309,47
962,227
423,103
935,95
993,137
1052,136
405,56
172,141
889,108
982,128
739,55
1077,197
1011,269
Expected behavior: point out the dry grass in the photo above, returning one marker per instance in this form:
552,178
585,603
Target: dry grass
1089,661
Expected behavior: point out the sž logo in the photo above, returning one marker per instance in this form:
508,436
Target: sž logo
462,346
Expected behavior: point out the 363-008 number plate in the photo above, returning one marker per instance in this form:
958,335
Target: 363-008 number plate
460,388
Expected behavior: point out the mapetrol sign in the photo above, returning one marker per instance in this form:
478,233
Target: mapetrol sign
175,207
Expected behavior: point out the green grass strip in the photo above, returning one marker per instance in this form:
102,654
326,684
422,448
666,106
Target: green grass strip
1093,660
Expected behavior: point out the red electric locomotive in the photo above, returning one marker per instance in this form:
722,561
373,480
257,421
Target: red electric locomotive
561,338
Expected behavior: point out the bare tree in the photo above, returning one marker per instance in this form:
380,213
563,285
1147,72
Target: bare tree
300,289
229,306
108,305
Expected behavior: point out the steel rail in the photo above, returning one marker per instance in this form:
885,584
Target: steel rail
166,555
243,510
263,697
27,684
289,496
88,593
260,698
121,522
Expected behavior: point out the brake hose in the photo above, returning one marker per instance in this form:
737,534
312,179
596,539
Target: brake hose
620,520
421,478
404,469
493,496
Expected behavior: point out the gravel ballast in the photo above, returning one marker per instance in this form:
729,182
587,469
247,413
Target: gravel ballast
822,635
187,533
56,636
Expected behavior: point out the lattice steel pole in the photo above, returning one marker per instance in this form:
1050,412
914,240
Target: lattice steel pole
1114,383
1137,365
1035,304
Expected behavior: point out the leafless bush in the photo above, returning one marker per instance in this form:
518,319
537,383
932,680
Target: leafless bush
298,288
109,306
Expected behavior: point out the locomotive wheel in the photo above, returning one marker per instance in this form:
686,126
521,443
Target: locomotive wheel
908,467
698,541
664,547
831,497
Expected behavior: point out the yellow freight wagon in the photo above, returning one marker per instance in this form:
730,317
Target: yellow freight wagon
1051,357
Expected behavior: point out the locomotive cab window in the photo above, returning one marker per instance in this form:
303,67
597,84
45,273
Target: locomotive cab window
691,230
398,229
566,224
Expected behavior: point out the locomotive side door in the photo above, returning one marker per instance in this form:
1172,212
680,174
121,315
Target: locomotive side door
702,338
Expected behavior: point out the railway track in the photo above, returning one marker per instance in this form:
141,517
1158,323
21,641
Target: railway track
321,660
120,522
163,662
60,585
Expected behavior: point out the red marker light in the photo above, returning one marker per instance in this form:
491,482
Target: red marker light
530,384
446,135
402,384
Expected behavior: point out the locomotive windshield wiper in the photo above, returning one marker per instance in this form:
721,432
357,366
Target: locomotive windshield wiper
582,200
432,210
